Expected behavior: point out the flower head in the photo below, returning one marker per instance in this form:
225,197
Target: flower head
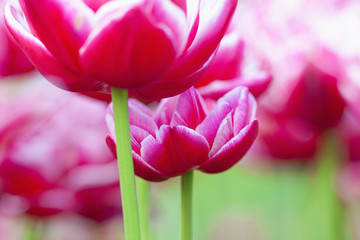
155,48
184,134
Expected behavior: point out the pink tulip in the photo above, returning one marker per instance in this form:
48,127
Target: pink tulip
182,134
231,67
155,48
50,160
12,59
285,138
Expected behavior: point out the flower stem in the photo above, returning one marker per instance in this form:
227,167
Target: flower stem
125,163
326,207
143,192
186,205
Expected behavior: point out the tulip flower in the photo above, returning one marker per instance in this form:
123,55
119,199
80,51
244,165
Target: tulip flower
50,161
153,48
183,134
231,67
12,59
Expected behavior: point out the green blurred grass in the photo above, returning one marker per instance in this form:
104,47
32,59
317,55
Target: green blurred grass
237,204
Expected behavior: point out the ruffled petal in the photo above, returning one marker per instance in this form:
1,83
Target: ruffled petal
141,49
232,151
209,127
49,66
187,149
256,83
190,109
146,171
61,25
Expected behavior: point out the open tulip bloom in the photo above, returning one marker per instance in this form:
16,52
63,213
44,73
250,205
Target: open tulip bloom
149,48
183,134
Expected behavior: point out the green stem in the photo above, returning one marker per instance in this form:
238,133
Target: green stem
327,211
143,191
186,205
125,163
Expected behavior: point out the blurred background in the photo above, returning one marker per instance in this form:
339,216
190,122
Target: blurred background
300,179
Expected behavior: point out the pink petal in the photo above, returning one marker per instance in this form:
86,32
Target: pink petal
187,149
137,136
145,171
227,62
190,109
174,18
62,25
168,85
215,17
140,118
50,67
141,49
209,127
165,110
223,135
233,151
256,84
154,153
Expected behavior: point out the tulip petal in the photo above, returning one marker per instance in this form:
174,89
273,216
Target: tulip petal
187,148
174,18
256,84
232,151
141,49
62,25
171,86
145,170
50,67
215,17
209,127
224,134
190,109
141,119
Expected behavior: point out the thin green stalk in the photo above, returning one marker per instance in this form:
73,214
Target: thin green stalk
326,210
186,205
34,229
125,163
143,192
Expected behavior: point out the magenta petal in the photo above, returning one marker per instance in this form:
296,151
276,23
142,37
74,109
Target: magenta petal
165,110
140,51
145,171
187,148
174,18
209,127
155,154
62,25
232,151
224,134
215,16
137,136
256,84
169,85
50,67
190,109
140,118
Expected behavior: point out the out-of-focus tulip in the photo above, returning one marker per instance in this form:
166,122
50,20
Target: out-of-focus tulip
12,59
50,160
231,69
154,48
183,134
316,97
285,138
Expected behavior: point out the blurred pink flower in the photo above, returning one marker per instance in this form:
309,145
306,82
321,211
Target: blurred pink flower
12,59
50,161
232,67
155,48
183,134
